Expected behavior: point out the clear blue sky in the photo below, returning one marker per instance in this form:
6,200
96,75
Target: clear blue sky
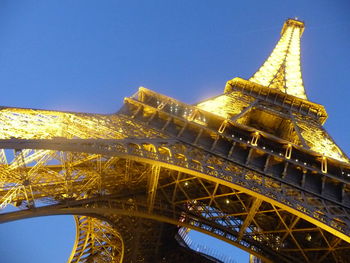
86,56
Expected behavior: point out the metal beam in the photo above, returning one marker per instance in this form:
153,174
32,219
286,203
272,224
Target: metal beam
252,211
244,111
152,186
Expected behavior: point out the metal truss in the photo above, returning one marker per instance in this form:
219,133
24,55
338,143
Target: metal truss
282,68
195,189
253,167
96,241
197,175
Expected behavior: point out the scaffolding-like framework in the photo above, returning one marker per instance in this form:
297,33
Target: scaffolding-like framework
253,167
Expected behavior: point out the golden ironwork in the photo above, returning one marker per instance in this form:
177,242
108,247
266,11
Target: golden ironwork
253,167
96,241
282,69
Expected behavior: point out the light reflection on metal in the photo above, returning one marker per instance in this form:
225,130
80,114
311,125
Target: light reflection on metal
226,105
319,141
253,167
282,69
98,238
255,138
280,72
289,149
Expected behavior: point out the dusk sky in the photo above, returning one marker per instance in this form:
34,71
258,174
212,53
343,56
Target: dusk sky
86,56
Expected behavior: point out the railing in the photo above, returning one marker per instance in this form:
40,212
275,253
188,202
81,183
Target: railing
203,248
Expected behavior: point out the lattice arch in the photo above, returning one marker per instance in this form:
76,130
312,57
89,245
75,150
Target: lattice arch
238,206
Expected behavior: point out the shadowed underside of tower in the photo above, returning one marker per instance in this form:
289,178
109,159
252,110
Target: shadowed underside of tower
253,167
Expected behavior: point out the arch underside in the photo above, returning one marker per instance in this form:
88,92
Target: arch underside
166,181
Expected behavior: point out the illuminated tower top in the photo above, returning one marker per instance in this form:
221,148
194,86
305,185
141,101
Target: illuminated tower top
274,100
282,69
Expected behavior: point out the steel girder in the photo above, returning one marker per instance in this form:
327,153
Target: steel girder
160,160
195,189
253,167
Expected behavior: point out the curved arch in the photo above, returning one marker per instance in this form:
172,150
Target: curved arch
92,230
217,171
212,172
96,212
105,207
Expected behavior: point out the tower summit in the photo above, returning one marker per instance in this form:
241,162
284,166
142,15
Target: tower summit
273,100
282,69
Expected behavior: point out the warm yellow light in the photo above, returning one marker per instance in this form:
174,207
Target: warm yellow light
282,69
319,141
39,124
226,105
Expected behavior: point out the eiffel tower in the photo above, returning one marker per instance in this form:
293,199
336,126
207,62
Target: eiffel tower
253,167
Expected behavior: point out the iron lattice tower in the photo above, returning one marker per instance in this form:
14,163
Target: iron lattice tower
252,166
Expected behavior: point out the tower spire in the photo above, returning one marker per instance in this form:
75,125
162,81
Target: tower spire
282,68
